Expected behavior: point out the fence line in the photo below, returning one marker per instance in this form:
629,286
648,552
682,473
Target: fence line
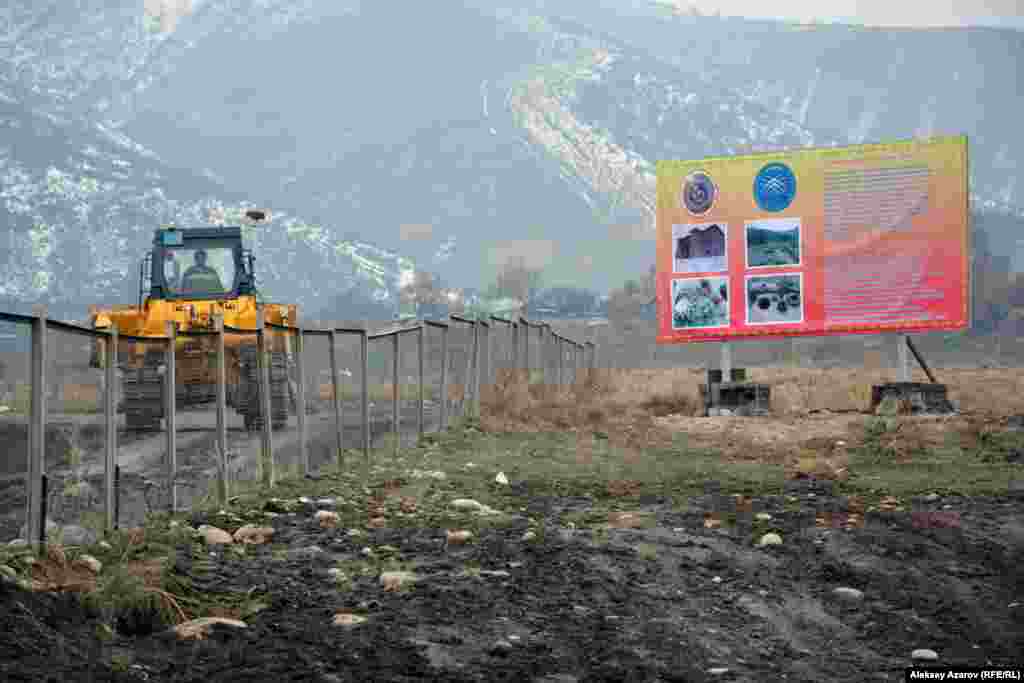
481,366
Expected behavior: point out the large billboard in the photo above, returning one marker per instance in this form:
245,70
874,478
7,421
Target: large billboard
841,240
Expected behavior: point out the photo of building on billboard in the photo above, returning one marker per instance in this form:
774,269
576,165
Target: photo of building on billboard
700,248
772,242
775,299
700,302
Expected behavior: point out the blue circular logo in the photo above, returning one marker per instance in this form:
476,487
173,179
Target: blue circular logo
775,187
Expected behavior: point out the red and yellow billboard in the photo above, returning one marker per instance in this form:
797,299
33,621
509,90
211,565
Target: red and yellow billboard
843,240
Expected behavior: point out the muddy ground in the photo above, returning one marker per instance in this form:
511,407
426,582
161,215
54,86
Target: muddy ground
674,602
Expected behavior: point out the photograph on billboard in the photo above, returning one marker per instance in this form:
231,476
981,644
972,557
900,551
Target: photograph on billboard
700,302
841,240
700,248
772,242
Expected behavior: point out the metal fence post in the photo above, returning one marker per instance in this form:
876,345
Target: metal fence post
300,400
466,382
444,378
395,416
526,351
487,381
477,357
474,375
34,523
267,473
110,421
364,356
171,414
515,350
419,351
561,360
336,397
222,411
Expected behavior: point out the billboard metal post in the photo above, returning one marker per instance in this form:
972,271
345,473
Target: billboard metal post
904,358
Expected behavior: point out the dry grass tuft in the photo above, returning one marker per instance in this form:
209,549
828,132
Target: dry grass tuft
813,411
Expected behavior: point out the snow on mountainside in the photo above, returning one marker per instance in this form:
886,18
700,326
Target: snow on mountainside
352,127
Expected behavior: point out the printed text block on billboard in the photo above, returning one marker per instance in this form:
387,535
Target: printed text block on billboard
843,240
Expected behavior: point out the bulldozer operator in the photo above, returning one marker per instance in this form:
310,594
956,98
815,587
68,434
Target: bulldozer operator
201,277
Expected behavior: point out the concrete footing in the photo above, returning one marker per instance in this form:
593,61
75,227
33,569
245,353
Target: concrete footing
737,397
913,398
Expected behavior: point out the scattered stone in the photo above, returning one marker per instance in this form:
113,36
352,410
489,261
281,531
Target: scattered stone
326,502
366,552
254,535
392,581
718,671
309,551
198,629
529,536
354,532
497,573
931,497
848,594
762,516
420,474
501,648
770,539
348,619
717,579
501,478
105,545
74,535
277,505
467,505
214,536
515,565
326,519
90,562
305,501
458,537
924,655
336,574
947,507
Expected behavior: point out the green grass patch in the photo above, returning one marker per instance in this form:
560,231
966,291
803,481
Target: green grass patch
979,468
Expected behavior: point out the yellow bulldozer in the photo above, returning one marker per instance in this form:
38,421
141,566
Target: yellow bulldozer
190,276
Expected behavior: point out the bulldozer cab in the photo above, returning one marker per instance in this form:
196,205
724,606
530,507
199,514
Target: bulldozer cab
197,263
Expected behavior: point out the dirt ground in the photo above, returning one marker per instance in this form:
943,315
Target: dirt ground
674,602
651,588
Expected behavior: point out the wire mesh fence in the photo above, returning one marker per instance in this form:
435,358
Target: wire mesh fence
127,425
15,402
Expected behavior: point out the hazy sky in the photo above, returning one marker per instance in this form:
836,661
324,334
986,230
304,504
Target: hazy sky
873,12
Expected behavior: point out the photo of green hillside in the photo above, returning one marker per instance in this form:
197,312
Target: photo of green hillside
773,243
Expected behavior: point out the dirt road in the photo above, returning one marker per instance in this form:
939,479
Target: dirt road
141,458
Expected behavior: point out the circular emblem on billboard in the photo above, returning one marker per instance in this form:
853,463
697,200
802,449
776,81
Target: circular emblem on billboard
699,193
775,187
